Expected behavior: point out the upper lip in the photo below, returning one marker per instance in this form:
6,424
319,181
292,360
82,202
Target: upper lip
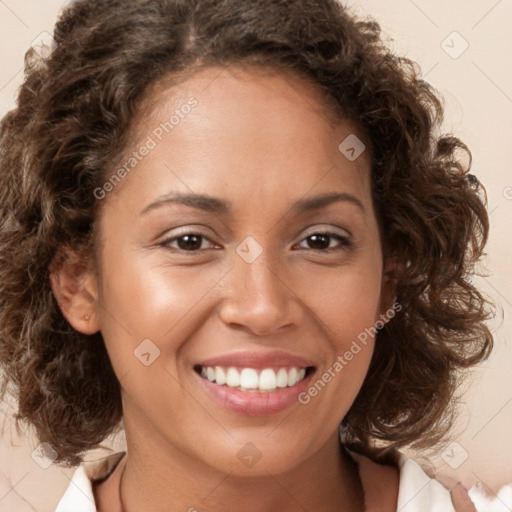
259,360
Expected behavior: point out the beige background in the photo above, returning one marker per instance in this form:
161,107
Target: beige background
477,88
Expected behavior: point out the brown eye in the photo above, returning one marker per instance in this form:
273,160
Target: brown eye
188,242
322,241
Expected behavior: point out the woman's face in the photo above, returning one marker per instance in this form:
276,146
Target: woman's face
223,258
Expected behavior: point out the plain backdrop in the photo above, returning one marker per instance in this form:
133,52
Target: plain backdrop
464,50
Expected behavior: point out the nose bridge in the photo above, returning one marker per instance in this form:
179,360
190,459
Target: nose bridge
257,296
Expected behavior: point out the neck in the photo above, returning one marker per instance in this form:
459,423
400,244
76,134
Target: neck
155,477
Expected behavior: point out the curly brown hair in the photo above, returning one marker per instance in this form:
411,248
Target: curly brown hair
74,115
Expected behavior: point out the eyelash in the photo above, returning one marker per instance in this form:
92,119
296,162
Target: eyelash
344,241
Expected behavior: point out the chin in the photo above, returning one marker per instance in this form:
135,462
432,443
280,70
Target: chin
255,459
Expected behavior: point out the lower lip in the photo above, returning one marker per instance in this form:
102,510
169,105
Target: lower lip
255,403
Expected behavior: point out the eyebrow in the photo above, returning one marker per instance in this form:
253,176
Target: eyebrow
216,205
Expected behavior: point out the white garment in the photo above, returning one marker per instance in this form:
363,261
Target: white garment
417,491
420,493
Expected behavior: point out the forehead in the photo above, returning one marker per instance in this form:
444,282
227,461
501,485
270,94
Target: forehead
255,132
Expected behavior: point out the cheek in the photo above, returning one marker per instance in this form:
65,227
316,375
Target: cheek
347,307
143,300
346,301
348,316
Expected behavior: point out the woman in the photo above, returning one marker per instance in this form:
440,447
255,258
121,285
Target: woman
167,179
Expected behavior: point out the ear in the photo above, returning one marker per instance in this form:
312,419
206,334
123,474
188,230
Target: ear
390,273
75,288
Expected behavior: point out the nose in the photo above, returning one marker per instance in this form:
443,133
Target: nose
258,298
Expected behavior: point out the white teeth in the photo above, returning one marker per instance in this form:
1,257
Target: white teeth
210,374
232,378
220,376
292,377
248,378
282,378
267,379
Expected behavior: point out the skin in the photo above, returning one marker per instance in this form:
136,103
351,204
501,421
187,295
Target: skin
262,142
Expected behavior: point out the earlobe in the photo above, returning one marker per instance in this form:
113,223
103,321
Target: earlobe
75,289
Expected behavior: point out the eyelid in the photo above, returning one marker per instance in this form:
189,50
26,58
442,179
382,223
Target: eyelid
188,229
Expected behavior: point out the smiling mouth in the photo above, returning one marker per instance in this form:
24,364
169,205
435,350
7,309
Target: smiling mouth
256,380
